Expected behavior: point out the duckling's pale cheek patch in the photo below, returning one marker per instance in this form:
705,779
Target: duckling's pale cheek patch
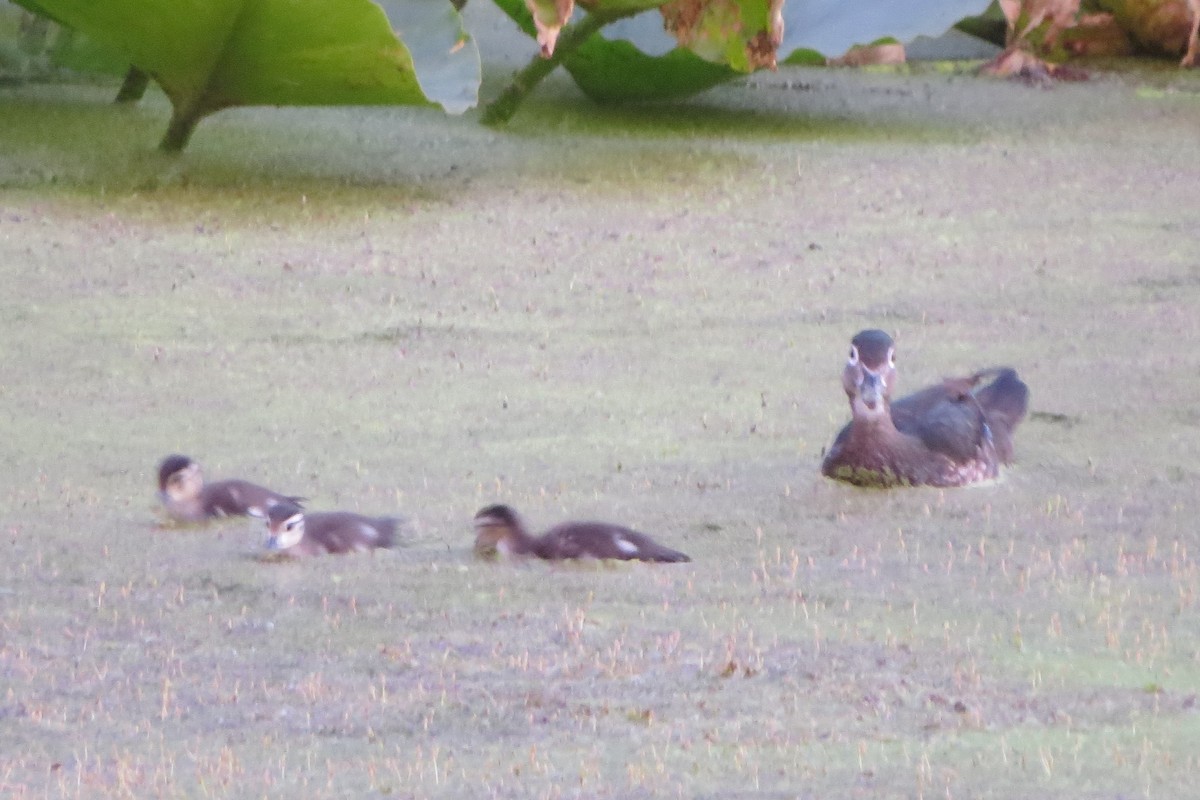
179,489
287,535
185,484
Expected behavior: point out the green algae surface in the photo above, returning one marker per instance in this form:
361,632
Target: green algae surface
635,316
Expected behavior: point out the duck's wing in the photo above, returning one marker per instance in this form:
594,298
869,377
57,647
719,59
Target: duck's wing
908,410
602,540
235,498
641,547
958,419
347,532
386,528
946,417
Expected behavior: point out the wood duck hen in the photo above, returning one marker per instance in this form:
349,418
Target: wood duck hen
187,498
500,530
953,433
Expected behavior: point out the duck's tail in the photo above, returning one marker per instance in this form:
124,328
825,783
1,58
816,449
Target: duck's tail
1005,402
664,555
394,530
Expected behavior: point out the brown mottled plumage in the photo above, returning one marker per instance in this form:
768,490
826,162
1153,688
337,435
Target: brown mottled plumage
950,434
499,529
293,532
187,498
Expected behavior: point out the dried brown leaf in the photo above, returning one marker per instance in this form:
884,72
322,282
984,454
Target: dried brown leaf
708,26
1060,14
864,55
549,16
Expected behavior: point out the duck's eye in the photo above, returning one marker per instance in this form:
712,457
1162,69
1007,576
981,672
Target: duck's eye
291,526
853,355
891,357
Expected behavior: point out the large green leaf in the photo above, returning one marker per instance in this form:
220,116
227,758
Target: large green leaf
213,54
74,51
617,71
638,59
734,32
549,16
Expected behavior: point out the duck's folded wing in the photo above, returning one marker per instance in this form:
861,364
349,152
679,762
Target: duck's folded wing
945,421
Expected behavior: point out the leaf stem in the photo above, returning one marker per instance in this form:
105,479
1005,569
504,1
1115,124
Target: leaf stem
570,39
134,86
179,131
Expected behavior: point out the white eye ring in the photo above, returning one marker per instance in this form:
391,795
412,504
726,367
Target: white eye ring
853,355
892,357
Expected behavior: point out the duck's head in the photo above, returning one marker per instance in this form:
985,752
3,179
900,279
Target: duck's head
495,527
285,526
179,478
869,374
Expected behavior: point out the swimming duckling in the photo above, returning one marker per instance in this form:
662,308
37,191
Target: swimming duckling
292,532
500,530
187,498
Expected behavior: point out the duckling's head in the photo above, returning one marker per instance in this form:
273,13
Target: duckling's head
869,374
285,526
179,478
496,527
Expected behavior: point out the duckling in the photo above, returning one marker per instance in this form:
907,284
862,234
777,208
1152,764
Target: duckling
948,434
187,498
500,530
294,533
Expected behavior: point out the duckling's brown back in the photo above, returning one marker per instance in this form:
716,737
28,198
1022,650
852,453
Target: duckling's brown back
604,541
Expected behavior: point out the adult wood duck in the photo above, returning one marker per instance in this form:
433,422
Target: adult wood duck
292,532
500,530
187,498
950,434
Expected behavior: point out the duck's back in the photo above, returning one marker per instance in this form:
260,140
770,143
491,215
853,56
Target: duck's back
346,532
602,540
944,422
235,498
959,422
